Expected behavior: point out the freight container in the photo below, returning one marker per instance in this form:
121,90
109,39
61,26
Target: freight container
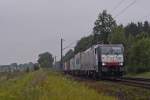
72,64
89,59
77,59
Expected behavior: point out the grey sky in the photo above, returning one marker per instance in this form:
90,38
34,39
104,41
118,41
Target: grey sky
30,27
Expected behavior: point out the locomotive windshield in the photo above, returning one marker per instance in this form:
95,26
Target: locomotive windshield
112,50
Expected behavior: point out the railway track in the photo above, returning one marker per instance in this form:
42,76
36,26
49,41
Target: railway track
137,82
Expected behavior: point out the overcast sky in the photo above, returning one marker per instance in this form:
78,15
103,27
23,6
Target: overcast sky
30,27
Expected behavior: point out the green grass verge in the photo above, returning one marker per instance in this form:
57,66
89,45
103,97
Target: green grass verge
44,85
123,92
142,75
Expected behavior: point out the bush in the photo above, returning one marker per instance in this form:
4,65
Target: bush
139,56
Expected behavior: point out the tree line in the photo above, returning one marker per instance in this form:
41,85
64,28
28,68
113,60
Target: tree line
134,36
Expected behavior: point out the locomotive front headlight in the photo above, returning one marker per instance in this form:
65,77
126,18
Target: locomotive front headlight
103,64
121,64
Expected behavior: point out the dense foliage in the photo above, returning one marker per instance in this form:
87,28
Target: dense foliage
68,55
84,43
139,57
117,36
45,60
135,37
103,26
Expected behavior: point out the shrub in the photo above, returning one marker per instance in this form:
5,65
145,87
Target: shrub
139,56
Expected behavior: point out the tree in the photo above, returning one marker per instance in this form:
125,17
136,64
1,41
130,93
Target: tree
83,44
130,40
140,27
146,27
141,36
36,66
132,29
45,60
103,27
68,55
117,36
139,58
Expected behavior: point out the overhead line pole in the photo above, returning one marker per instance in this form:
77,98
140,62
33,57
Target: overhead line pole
55,61
61,63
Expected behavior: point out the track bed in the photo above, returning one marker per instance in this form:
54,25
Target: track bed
116,88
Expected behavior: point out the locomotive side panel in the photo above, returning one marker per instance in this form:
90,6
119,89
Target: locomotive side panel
88,60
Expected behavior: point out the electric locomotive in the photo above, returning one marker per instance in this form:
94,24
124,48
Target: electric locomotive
98,61
110,60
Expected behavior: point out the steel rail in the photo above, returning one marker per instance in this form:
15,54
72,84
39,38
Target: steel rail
137,82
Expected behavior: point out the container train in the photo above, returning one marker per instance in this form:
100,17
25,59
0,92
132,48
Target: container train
102,60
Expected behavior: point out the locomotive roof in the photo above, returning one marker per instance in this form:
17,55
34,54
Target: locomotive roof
119,45
96,46
101,45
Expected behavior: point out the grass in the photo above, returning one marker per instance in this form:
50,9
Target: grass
142,75
120,91
45,85
128,92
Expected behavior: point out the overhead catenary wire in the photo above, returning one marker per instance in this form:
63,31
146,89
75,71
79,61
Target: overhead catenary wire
127,7
68,46
117,5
